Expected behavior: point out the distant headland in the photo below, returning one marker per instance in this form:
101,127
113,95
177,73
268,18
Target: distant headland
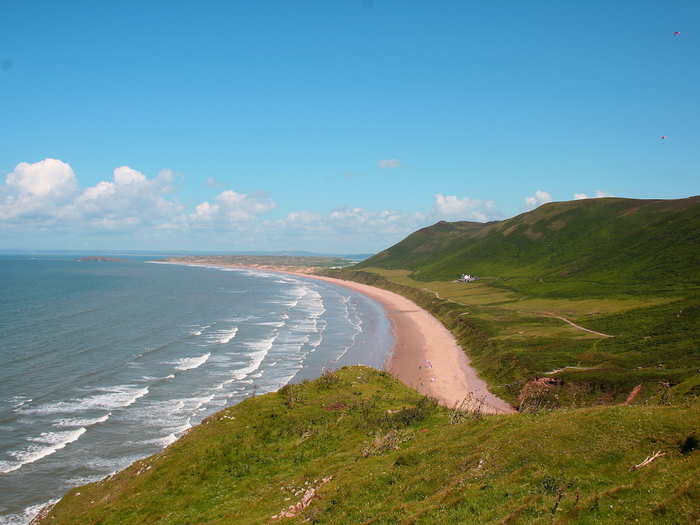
98,258
288,263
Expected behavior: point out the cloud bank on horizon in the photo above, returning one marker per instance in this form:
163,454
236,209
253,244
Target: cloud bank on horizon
46,196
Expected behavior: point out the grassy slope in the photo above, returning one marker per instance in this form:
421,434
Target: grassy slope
249,462
511,341
591,243
625,267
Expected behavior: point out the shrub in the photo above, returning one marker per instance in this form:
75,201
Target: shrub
328,379
387,442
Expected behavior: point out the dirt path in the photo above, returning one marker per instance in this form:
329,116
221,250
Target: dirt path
550,314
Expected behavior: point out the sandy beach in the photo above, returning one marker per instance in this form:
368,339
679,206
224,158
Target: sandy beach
426,355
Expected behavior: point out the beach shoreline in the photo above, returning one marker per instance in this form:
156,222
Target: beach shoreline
425,355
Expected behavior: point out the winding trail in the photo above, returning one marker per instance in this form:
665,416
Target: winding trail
550,314
544,314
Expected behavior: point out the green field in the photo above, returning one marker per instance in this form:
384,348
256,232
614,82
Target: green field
514,338
392,456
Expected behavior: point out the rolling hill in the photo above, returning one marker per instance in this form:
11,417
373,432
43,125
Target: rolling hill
607,240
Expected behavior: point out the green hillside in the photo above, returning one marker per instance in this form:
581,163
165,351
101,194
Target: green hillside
650,243
599,295
360,447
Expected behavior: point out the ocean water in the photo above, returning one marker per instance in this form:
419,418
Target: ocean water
102,363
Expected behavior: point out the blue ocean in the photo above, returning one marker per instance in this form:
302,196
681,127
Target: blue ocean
102,363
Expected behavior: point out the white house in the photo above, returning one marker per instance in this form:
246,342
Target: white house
466,278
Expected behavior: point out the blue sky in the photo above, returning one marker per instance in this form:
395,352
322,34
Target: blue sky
332,126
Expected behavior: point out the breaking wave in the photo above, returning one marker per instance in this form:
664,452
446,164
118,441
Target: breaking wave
120,396
190,363
49,443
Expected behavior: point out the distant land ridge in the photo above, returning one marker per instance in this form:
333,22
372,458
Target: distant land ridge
602,240
99,258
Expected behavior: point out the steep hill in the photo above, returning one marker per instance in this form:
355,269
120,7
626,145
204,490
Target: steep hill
608,240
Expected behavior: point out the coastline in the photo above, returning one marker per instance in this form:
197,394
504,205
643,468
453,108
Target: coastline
425,355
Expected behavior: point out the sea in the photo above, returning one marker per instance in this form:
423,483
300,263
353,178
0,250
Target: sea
104,363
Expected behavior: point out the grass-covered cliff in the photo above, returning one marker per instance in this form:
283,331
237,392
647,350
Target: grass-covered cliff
358,447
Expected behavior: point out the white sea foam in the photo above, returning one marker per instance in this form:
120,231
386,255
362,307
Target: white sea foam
77,482
119,396
154,378
18,401
260,349
27,514
162,441
112,465
167,440
173,433
84,422
199,330
242,319
190,363
274,324
51,442
225,336
199,402
353,318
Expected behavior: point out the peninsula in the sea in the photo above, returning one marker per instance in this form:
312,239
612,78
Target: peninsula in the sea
99,258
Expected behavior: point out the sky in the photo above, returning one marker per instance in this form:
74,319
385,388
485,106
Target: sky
334,127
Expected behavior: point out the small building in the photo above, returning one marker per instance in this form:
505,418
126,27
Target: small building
466,278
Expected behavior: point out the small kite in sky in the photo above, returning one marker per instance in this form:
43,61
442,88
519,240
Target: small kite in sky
676,33
663,137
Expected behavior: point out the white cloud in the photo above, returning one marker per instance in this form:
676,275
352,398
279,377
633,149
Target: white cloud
349,226
389,163
47,193
231,207
128,200
48,177
540,197
36,189
302,217
598,194
126,175
454,208
45,196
